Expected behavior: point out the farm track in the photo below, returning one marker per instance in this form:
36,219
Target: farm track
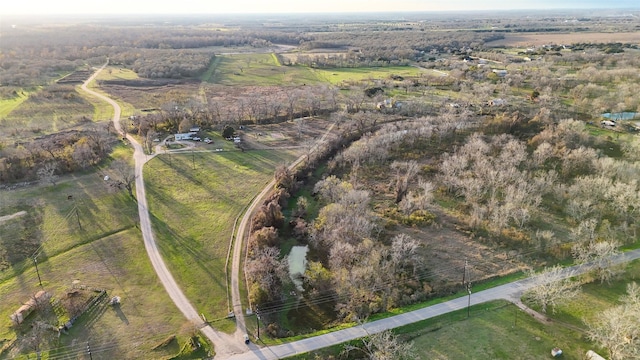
223,343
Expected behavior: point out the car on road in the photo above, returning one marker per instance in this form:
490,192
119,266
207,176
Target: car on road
246,338
208,141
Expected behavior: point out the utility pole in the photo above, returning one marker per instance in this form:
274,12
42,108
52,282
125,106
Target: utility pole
89,351
258,323
468,278
464,273
35,262
469,303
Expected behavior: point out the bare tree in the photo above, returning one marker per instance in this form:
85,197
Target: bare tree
405,171
384,346
124,175
598,255
552,287
616,329
47,173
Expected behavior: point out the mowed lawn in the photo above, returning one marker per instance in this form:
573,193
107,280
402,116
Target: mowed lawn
104,251
193,211
496,330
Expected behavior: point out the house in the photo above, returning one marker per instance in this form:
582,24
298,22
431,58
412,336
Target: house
23,311
194,129
497,102
184,136
609,123
500,72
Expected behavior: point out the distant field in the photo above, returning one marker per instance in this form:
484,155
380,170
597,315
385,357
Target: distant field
193,211
538,39
340,75
7,105
52,109
258,69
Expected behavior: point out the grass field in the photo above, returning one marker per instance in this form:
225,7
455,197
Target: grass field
106,252
55,108
342,75
193,210
258,70
495,330
7,105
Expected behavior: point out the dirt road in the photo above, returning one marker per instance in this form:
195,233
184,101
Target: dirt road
224,344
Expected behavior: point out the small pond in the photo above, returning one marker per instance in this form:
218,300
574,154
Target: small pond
627,115
297,264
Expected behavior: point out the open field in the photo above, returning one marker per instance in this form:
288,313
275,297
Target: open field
7,105
258,69
495,330
106,252
194,209
341,75
52,109
500,330
539,39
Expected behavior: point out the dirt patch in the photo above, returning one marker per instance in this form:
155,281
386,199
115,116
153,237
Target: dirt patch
12,216
447,247
538,39
296,133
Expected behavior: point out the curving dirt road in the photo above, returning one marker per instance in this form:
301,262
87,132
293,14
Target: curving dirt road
232,347
243,229
224,344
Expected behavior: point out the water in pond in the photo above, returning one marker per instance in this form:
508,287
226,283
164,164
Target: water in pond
297,264
621,115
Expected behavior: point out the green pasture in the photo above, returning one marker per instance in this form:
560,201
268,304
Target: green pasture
117,73
494,330
104,250
194,199
256,70
55,224
9,104
46,112
343,75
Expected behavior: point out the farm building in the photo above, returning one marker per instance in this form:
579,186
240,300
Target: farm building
19,315
184,136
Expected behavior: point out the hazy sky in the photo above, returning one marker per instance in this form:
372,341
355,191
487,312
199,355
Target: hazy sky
278,6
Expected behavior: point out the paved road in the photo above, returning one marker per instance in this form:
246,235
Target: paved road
510,292
224,343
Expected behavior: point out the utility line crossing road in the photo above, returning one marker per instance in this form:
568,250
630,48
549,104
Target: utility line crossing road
511,292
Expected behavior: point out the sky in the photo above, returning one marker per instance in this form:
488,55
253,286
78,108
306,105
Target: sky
26,7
